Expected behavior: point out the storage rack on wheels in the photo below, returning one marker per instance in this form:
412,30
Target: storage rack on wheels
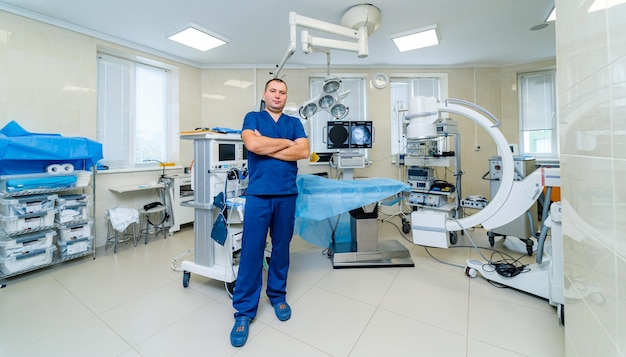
423,159
33,240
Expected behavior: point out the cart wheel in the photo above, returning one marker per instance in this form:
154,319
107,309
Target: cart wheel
470,272
453,238
529,247
491,239
406,227
186,276
560,312
230,288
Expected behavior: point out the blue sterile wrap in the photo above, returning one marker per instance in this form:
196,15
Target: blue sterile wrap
23,152
323,205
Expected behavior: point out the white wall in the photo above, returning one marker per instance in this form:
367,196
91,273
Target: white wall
48,85
591,64
37,61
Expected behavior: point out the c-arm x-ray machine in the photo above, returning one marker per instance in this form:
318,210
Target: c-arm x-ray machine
543,279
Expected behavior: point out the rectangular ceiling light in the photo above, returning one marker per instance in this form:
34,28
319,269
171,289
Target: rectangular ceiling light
410,40
197,38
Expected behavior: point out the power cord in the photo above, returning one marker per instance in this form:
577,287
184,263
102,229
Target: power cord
179,258
507,266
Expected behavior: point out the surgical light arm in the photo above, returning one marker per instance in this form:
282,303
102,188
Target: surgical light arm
311,43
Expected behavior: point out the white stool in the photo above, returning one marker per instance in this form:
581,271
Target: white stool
130,231
153,218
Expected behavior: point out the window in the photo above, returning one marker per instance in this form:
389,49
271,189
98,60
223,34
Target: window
402,89
355,101
539,135
134,120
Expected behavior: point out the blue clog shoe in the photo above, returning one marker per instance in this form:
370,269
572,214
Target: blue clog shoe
283,311
239,333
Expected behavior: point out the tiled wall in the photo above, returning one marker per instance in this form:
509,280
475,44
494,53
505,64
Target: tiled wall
591,66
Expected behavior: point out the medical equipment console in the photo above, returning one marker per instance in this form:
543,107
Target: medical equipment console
219,161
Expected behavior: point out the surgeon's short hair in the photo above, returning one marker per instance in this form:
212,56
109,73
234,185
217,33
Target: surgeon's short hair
277,80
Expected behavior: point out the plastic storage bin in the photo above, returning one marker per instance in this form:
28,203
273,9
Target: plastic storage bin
27,261
74,247
11,246
71,200
73,213
27,204
35,183
27,222
75,231
72,208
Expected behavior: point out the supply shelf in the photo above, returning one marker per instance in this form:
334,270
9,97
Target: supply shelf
33,232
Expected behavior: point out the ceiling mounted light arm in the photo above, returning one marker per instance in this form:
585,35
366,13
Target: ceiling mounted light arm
327,63
308,22
343,95
360,30
312,44
288,55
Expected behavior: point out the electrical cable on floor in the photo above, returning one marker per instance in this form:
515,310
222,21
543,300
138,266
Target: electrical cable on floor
509,264
399,230
441,261
333,230
175,266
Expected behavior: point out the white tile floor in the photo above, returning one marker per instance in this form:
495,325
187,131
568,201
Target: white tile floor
133,304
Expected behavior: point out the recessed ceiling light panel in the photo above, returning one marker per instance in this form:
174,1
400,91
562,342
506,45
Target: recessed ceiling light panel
419,38
196,37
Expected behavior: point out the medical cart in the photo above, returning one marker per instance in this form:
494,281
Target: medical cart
216,158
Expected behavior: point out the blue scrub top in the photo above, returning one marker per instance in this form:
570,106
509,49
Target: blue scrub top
269,176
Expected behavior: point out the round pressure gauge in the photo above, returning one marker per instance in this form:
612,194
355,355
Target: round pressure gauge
380,80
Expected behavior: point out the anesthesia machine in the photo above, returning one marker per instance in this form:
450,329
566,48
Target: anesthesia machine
219,172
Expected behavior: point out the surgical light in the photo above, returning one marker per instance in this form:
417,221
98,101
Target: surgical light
307,110
196,37
326,101
329,99
419,38
339,111
331,84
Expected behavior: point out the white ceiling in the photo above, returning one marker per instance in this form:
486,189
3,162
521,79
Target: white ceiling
472,32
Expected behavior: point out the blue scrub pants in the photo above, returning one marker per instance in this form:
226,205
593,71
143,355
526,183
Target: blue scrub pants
275,213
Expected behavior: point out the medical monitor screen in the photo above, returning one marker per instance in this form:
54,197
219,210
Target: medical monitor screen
338,135
361,134
226,152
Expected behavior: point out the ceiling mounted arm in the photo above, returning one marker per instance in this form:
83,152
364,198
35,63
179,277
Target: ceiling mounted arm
364,20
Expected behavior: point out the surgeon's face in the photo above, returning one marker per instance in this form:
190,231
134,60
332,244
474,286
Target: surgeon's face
275,96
